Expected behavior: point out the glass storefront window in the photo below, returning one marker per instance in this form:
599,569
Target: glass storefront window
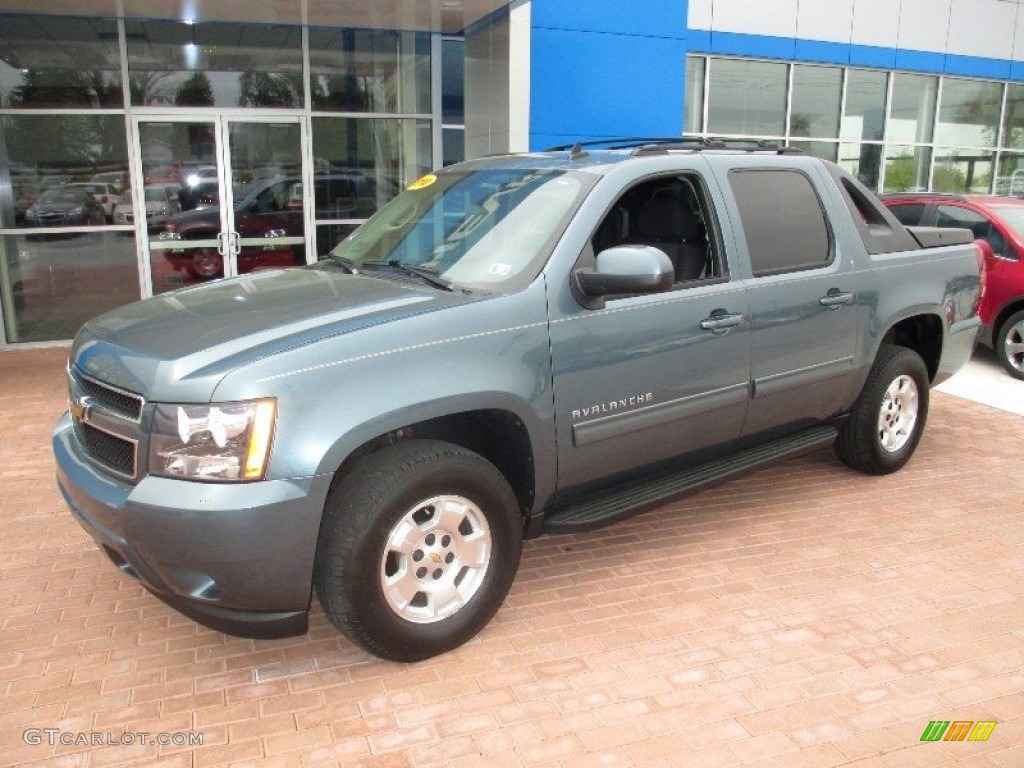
329,235
380,155
453,81
962,171
693,109
59,61
1010,180
51,284
1013,123
747,98
864,161
864,113
817,93
453,145
968,113
214,64
906,168
912,112
61,170
357,70
824,149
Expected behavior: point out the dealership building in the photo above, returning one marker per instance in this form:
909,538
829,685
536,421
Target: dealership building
147,145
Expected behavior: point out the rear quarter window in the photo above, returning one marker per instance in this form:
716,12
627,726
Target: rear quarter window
909,215
783,221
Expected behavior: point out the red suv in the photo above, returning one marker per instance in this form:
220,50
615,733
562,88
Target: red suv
1000,222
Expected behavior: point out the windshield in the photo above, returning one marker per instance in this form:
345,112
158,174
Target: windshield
486,229
1012,216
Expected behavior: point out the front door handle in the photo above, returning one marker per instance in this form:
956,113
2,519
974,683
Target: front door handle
720,320
233,244
222,243
835,299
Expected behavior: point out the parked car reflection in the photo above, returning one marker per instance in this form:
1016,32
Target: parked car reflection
64,207
270,211
160,204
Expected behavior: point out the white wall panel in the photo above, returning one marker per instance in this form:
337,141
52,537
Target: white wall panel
758,17
1018,35
699,14
924,25
875,22
829,21
982,28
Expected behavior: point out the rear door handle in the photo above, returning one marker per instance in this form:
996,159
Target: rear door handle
835,299
720,320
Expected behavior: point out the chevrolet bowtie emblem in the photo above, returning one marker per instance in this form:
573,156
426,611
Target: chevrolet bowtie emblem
79,408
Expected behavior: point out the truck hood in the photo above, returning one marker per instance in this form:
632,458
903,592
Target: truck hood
181,344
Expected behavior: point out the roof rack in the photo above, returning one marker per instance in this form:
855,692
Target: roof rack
662,144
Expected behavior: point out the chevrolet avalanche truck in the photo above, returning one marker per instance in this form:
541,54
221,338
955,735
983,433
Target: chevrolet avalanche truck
533,343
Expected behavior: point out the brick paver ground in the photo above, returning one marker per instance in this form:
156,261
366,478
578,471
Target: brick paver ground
802,616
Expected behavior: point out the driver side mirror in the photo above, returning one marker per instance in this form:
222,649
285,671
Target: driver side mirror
623,270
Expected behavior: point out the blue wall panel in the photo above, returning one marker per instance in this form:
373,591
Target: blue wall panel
606,68
795,49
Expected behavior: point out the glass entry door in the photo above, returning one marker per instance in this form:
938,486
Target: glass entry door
221,196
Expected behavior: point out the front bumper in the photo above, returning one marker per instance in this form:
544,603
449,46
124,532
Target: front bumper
234,557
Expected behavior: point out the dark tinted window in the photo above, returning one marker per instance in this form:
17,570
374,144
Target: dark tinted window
782,219
910,214
953,216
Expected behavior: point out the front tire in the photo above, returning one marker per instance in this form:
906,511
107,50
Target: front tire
1010,345
206,264
886,422
419,545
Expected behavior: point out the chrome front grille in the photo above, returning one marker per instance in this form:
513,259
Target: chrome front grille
116,400
107,423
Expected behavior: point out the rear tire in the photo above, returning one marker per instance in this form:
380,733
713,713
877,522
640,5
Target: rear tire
886,422
1010,345
419,545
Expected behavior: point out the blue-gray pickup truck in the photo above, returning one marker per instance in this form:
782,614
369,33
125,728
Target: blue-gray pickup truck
533,343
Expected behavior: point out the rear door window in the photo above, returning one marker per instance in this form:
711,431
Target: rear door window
783,221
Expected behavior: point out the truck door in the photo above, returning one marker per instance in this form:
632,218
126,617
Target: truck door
804,304
651,377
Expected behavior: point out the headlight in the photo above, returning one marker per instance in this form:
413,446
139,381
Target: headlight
169,234
76,211
222,442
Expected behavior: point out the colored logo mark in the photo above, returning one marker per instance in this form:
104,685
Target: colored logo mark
958,730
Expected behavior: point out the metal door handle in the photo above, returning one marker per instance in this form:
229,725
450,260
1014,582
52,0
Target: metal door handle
835,299
233,244
222,243
720,320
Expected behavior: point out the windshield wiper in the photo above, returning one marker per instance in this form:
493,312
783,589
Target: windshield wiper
423,273
347,264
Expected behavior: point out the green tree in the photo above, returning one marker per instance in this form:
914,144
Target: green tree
265,89
899,174
949,178
195,91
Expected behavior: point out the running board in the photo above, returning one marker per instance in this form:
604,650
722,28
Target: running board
641,495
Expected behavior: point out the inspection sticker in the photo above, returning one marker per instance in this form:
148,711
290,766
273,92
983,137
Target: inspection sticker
424,181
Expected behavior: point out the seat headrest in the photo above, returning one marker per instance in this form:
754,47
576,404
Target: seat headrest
661,219
669,220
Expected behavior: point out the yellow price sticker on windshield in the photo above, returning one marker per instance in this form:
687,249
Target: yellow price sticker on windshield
423,182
